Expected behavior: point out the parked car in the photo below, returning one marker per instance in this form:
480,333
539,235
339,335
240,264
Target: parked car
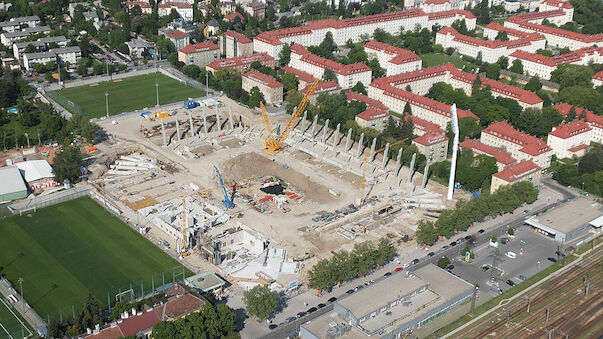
359,287
445,247
414,262
431,254
485,268
387,274
301,314
452,244
332,299
290,319
272,326
552,259
405,265
481,231
511,255
504,240
460,240
350,291
321,305
450,267
468,237
510,283
398,269
312,309
522,277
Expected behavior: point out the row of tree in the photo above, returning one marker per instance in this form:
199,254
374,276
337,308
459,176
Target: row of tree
466,212
87,318
211,322
344,265
587,174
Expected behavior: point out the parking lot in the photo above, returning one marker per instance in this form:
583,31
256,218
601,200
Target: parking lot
531,252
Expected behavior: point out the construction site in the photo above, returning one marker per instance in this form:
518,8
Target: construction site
259,199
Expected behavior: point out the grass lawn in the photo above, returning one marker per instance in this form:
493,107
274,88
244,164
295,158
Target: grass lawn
64,251
129,94
434,59
11,322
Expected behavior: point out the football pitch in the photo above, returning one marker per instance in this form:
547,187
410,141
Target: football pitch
64,251
124,95
11,323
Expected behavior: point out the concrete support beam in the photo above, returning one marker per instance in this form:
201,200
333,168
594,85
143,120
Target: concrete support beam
204,121
230,118
163,133
411,167
373,149
314,123
425,175
360,145
324,131
190,122
347,141
177,130
303,123
385,153
218,122
336,136
398,167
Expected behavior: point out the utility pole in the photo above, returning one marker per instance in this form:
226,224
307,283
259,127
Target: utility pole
39,141
207,82
21,285
27,137
59,73
107,102
157,88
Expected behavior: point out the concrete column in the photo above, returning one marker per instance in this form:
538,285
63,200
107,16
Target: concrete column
177,130
425,174
218,123
190,122
373,149
360,145
385,153
398,162
230,117
411,167
336,136
324,131
303,123
347,141
204,121
314,123
163,133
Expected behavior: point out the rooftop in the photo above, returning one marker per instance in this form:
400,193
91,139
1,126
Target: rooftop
176,34
517,171
400,55
262,78
241,60
11,179
535,58
34,170
480,148
240,37
571,129
306,56
200,47
530,144
568,217
323,87
525,24
205,281
372,114
231,16
301,75
431,138
370,103
593,119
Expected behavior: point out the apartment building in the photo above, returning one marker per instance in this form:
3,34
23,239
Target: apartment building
395,60
542,66
374,118
353,29
593,120
241,64
15,24
40,45
490,50
184,9
256,9
233,44
571,139
431,6
304,79
347,75
62,55
523,171
145,6
598,79
370,103
199,54
519,145
271,89
433,144
503,159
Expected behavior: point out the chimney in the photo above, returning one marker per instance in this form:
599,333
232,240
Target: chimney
88,331
133,311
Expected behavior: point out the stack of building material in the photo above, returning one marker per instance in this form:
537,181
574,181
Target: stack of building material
132,164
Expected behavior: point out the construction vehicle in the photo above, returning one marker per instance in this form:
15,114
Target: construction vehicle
184,249
273,145
228,201
365,164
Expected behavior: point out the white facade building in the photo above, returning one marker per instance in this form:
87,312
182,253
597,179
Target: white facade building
395,60
571,139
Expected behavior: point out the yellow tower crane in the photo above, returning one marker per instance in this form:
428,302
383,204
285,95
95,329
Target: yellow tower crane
184,250
365,164
273,146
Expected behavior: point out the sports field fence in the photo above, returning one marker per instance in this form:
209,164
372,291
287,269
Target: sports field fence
68,104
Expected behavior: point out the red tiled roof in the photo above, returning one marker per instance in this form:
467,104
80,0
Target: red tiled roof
240,37
431,138
558,3
370,103
201,47
400,55
262,78
231,16
451,13
436,2
578,148
255,5
241,60
515,172
183,5
535,58
570,129
593,119
495,26
323,87
306,56
578,55
533,16
530,144
301,75
492,44
597,38
107,333
181,305
142,4
372,114
598,76
176,34
424,125
137,323
478,147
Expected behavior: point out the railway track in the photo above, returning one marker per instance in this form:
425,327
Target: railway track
561,288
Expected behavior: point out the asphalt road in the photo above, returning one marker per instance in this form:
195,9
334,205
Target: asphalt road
291,330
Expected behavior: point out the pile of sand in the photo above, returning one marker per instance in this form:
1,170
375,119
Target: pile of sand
248,165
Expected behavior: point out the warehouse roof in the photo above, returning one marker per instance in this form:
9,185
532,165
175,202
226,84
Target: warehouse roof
11,180
34,170
567,217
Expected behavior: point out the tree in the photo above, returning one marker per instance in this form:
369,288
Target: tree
517,66
325,49
503,61
260,302
374,65
289,82
493,71
443,262
511,231
533,85
255,96
329,75
191,71
67,164
476,86
359,88
284,56
502,36
572,75
90,315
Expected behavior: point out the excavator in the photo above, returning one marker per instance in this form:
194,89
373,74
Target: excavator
273,145
365,164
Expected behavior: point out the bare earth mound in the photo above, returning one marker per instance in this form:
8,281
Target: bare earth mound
255,165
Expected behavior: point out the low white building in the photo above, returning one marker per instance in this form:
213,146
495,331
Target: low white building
185,10
571,139
29,59
37,173
430,6
68,54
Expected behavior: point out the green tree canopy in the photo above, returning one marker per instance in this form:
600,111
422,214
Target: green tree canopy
260,302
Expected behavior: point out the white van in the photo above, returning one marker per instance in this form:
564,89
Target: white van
511,255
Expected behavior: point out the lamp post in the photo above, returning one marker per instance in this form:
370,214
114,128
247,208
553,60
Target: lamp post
107,102
157,88
21,285
207,82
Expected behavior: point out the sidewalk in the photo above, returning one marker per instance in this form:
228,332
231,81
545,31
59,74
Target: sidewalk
32,318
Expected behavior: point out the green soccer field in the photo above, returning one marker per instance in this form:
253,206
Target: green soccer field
64,251
128,95
11,323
